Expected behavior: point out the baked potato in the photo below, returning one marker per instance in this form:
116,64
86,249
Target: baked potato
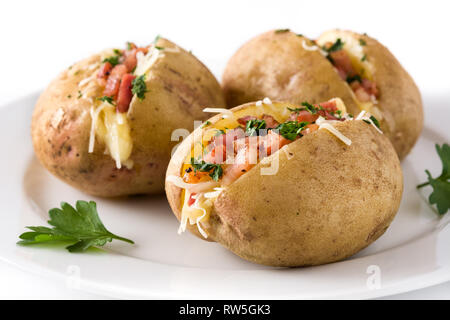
104,125
286,185
285,66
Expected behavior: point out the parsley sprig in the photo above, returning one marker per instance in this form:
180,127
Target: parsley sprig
139,88
215,170
114,60
291,129
336,46
253,126
441,185
80,225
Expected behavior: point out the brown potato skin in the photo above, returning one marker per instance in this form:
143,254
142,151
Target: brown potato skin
326,203
400,101
179,85
276,65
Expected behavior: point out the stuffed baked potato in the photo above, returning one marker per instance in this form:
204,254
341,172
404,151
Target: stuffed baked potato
104,125
285,66
286,185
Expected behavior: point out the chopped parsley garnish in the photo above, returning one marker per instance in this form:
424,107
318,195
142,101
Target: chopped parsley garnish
282,30
80,225
69,96
114,60
118,52
108,99
139,87
441,185
299,35
129,46
375,121
336,46
219,132
215,170
291,129
307,107
362,42
253,126
364,58
356,77
207,123
79,94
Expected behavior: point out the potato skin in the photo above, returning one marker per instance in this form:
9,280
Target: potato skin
400,101
179,85
276,65
326,202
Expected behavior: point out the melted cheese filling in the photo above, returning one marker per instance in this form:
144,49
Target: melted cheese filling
113,130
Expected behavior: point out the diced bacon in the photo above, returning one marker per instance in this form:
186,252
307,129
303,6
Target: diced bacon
113,83
342,62
270,121
328,105
105,70
370,87
310,128
243,121
130,60
303,116
362,95
125,95
191,199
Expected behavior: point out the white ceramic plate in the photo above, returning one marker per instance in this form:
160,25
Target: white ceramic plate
414,252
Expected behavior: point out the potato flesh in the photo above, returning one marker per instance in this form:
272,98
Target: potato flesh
113,129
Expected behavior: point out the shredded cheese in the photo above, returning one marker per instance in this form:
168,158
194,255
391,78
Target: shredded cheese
94,118
325,124
313,48
145,62
193,187
226,113
266,100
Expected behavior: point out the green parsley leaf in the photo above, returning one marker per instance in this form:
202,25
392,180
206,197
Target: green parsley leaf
114,60
362,42
80,225
139,87
79,94
337,45
364,58
253,126
108,99
215,170
441,185
291,129
207,123
307,107
282,30
356,77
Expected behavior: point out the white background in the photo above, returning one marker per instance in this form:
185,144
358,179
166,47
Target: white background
41,38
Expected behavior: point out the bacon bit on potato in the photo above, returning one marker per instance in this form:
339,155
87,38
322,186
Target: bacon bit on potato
105,70
113,83
125,95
